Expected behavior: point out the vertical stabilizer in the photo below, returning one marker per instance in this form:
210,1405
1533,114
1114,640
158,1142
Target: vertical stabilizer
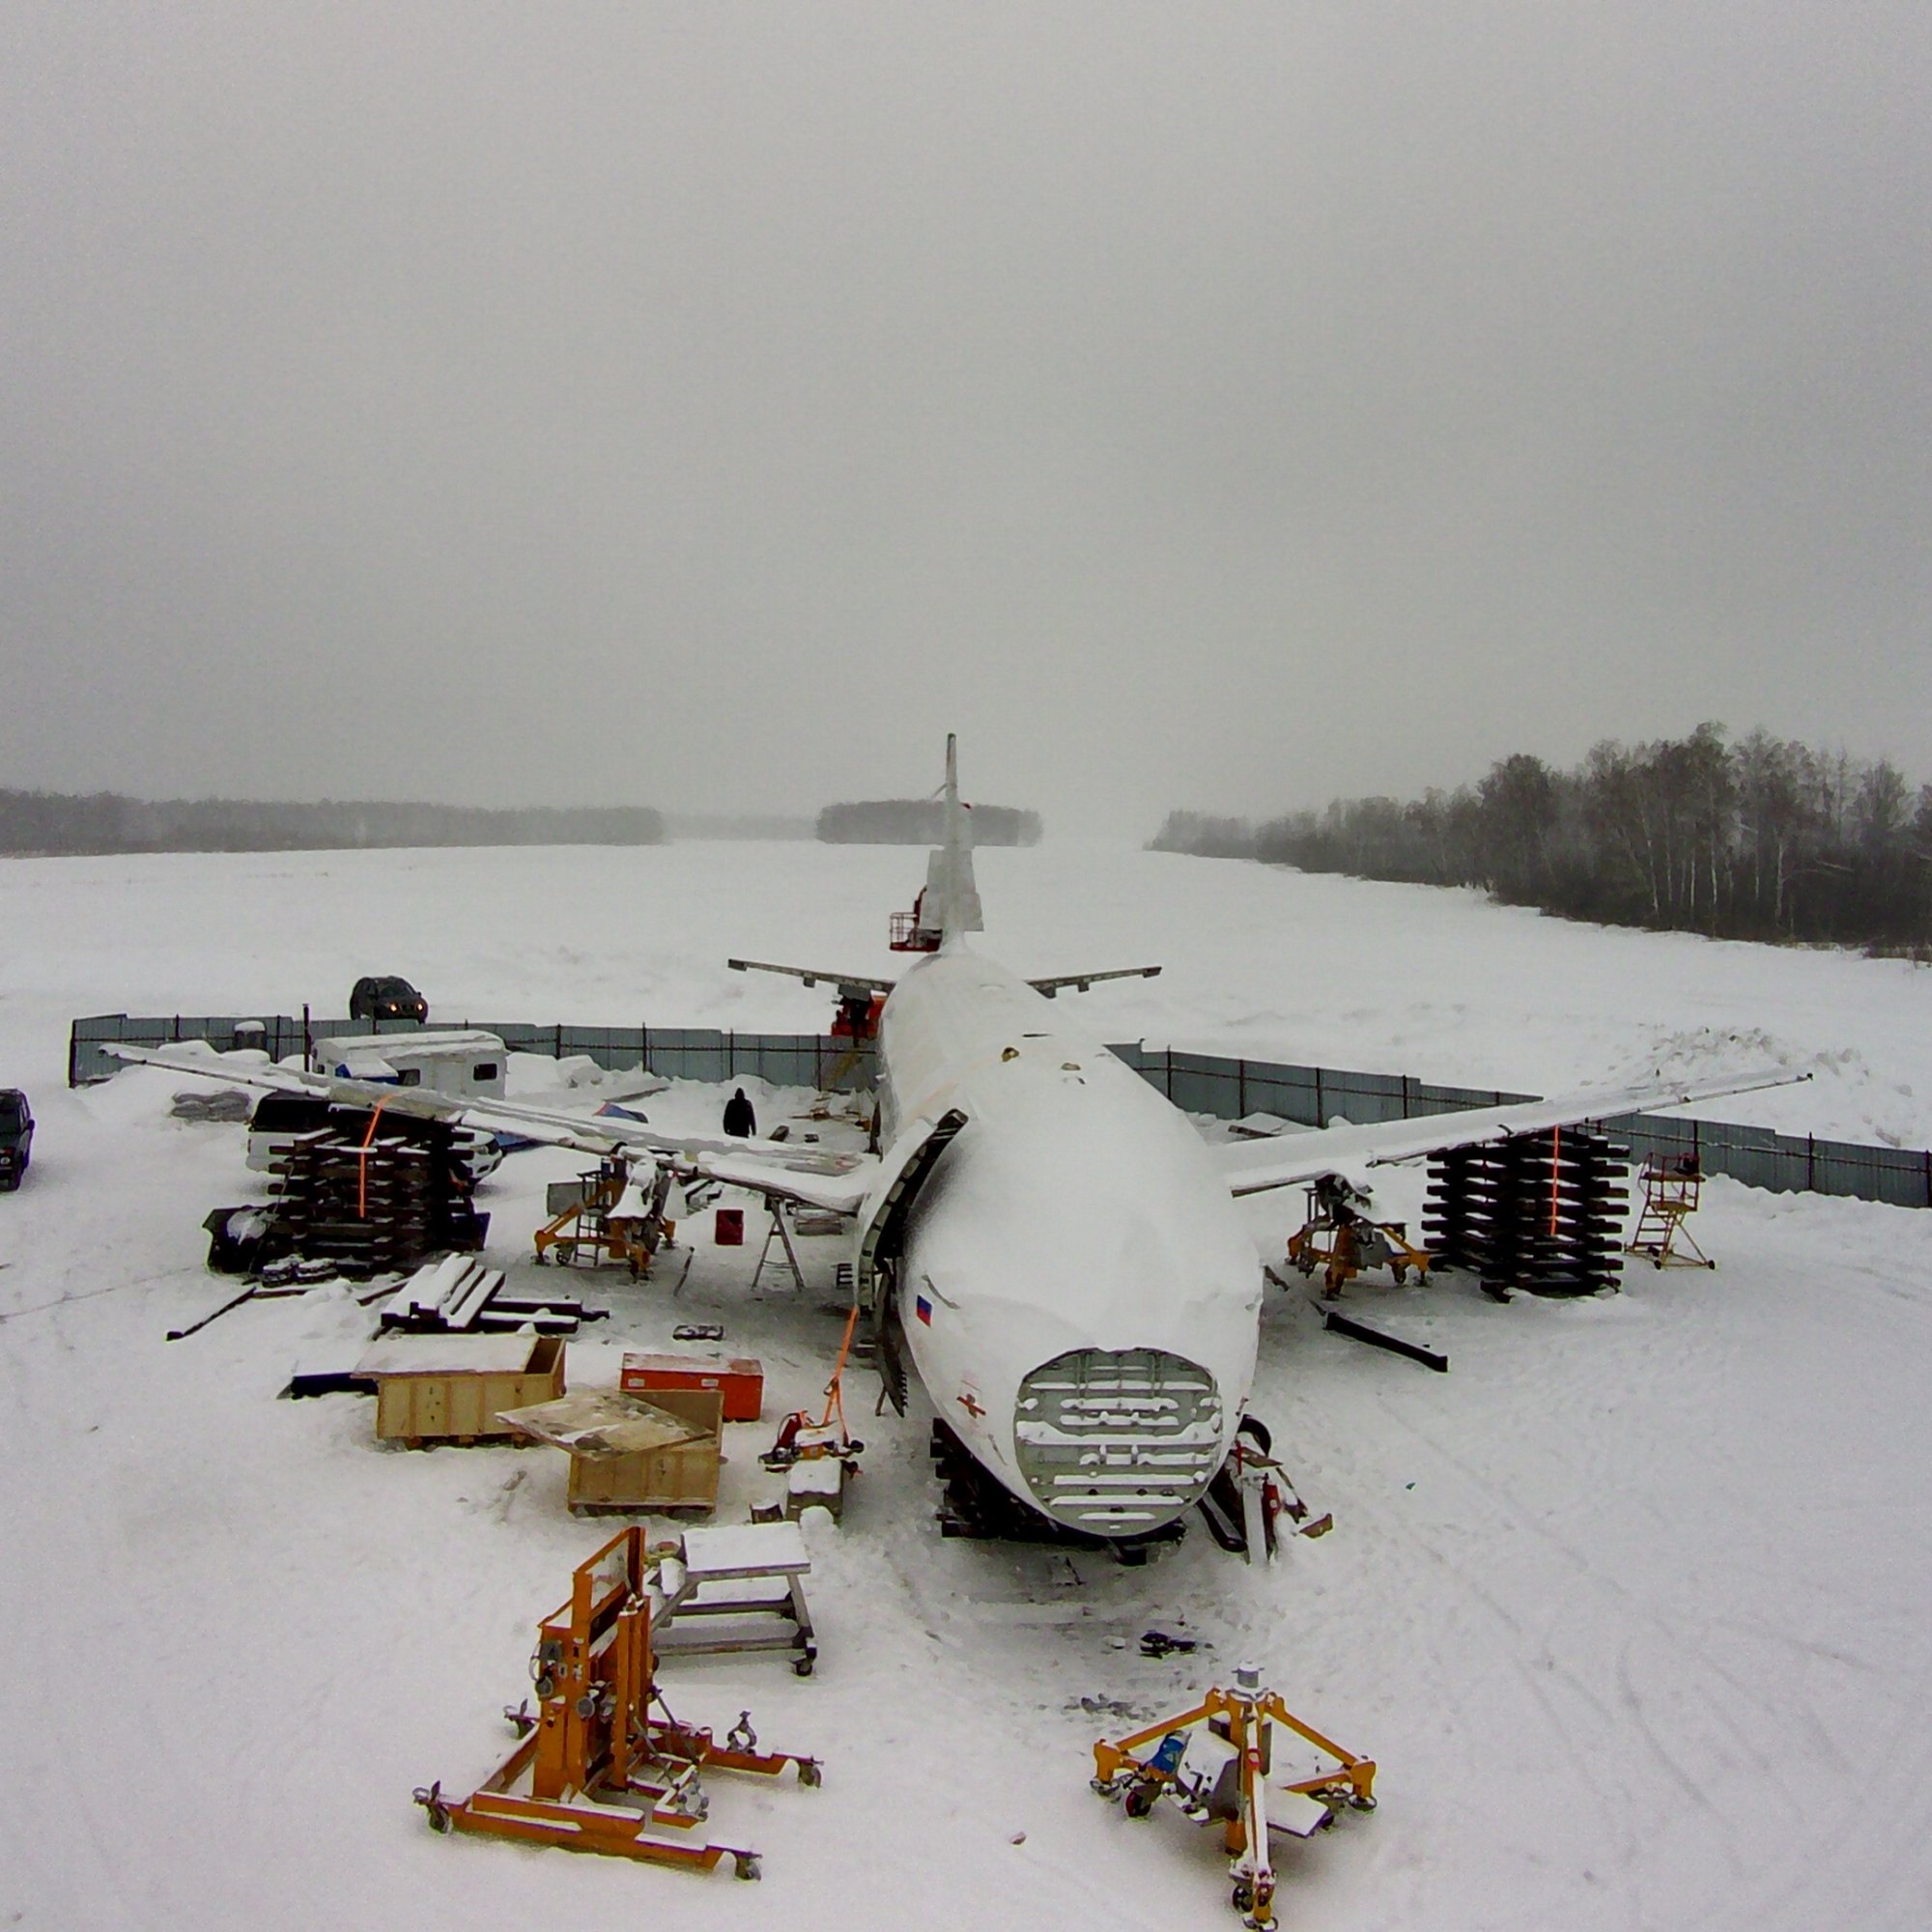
951,905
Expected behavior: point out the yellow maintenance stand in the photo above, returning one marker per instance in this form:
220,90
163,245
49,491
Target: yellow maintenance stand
1213,1762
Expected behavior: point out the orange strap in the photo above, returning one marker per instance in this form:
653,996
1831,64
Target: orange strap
362,1165
835,1399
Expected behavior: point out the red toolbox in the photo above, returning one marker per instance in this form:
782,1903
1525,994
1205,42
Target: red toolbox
741,1380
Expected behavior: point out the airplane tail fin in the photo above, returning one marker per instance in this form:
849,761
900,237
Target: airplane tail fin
950,904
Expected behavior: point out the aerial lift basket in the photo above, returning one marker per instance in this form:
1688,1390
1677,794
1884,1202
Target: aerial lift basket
602,1765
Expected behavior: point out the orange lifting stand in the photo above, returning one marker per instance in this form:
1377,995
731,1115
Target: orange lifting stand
593,1771
1212,1762
1671,1186
594,1226
1353,1242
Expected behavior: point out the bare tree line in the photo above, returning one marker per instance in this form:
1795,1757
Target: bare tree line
1764,839
71,823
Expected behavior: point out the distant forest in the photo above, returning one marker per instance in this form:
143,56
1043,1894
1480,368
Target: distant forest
58,823
1764,839
921,821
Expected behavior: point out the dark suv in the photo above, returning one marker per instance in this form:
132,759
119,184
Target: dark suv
17,1136
386,998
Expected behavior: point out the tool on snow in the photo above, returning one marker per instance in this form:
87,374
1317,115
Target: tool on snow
1360,1331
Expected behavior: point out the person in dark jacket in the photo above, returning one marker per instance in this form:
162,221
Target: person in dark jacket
739,1118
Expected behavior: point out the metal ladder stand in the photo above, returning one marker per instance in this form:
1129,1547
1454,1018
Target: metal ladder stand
781,1231
1671,1185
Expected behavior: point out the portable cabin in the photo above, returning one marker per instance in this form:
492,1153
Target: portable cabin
467,1062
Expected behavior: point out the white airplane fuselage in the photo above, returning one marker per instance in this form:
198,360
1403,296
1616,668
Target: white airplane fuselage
1080,1297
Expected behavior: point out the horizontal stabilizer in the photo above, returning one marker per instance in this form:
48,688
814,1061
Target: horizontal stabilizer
853,985
1080,982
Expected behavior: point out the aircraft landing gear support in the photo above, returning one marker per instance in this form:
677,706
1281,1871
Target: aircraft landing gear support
1251,1505
1213,1762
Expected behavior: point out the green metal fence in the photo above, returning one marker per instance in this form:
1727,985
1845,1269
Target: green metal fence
1228,1088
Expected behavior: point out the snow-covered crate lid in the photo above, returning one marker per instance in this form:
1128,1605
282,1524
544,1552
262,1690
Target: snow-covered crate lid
447,1354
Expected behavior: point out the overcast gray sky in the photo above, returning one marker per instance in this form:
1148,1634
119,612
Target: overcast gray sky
711,405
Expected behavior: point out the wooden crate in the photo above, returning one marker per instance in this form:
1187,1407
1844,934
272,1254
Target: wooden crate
741,1380
683,1477
449,1388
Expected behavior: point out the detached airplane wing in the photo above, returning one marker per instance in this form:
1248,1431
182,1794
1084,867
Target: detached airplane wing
1253,1166
813,1177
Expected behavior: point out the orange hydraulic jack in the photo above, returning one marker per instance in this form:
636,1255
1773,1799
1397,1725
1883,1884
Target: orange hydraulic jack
593,1770
1212,1760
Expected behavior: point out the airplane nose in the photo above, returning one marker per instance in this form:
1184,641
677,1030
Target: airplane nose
1118,1441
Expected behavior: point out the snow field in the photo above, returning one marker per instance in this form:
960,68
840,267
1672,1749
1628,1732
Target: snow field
1628,1607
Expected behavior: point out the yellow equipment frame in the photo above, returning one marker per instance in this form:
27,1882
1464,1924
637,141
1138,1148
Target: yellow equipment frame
1339,1255
593,1770
590,1226
1245,1718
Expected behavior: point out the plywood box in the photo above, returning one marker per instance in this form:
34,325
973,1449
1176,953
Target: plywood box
449,1388
741,1380
683,1476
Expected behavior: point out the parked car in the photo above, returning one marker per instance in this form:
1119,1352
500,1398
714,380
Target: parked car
386,998
17,1136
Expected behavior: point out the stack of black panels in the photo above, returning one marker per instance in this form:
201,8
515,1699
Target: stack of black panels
1539,1211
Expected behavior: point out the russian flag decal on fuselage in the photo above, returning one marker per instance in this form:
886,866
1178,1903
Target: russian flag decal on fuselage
923,1308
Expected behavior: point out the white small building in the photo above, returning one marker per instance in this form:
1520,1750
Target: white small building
468,1064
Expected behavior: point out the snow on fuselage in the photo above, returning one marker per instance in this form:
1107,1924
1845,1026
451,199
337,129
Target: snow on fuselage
1081,1299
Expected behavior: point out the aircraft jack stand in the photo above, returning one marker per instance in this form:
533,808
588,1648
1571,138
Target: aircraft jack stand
593,1770
1212,1763
1342,1241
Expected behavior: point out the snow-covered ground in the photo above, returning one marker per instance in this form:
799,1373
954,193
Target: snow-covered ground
1628,1607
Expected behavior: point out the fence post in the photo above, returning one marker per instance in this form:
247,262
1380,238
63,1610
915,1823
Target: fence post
73,1049
1242,1089
1321,1108
1405,1097
1168,1051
